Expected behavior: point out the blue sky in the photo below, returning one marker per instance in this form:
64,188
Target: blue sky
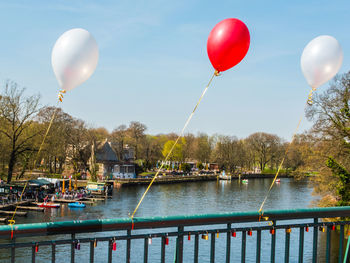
153,63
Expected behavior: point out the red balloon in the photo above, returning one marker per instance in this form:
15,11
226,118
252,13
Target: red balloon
228,43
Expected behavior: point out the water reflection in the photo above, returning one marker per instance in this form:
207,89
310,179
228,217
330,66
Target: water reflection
191,198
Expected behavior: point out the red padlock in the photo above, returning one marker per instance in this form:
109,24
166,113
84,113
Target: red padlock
307,229
114,246
233,234
333,227
166,241
36,248
189,237
250,233
272,231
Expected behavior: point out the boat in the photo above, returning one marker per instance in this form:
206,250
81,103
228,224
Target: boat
224,177
76,205
278,180
245,181
49,205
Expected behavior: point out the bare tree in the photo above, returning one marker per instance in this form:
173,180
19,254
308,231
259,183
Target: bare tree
136,132
17,112
264,146
118,138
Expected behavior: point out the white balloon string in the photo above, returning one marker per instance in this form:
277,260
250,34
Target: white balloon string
175,143
286,152
310,100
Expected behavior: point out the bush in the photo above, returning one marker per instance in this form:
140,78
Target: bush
185,167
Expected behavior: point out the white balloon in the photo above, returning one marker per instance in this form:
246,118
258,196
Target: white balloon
321,60
74,58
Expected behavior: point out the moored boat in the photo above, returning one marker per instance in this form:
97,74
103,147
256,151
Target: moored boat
76,205
49,205
245,181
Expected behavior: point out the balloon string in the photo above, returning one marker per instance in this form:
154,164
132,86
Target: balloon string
175,143
309,100
60,96
287,150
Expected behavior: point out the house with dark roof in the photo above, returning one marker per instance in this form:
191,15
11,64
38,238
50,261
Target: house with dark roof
110,166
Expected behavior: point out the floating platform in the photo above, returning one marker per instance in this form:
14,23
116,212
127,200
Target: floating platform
31,208
18,213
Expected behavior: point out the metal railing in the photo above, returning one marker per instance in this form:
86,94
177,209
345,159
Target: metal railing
241,225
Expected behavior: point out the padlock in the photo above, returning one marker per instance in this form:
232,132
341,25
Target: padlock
233,233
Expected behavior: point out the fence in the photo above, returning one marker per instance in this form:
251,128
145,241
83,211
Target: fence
73,234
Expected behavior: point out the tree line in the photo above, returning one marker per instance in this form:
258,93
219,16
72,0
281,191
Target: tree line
68,143
322,152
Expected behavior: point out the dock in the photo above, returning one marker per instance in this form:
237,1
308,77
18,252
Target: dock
10,213
31,208
13,205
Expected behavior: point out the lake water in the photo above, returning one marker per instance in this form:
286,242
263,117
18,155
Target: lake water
182,199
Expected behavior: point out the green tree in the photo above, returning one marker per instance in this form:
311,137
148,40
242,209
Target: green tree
176,154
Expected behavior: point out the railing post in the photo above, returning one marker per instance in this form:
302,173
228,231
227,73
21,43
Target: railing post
273,243
145,250
128,246
92,251
258,245
53,253
110,246
341,243
72,249
162,255
315,240
286,247
228,243
13,251
196,247
328,245
301,244
180,244
212,248
244,237
33,253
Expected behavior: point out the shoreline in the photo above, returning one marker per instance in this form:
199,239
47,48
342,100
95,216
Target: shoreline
184,179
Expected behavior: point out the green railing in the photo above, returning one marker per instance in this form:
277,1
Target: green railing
243,225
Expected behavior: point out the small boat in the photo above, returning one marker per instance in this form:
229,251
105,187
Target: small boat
49,205
278,180
245,181
224,177
76,205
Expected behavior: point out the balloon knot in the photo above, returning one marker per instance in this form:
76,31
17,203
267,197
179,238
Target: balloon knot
217,73
60,95
309,99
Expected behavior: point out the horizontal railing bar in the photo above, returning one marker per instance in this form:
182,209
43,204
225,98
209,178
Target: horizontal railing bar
168,234
99,225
